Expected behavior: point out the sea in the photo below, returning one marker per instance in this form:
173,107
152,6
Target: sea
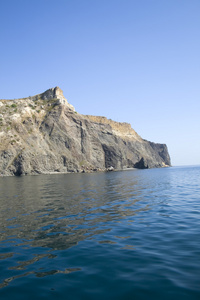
116,235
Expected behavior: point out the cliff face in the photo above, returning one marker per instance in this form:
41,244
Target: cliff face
44,134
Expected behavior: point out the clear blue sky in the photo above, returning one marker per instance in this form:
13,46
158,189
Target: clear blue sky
135,61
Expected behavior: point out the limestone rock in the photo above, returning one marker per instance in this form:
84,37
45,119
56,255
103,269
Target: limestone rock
43,134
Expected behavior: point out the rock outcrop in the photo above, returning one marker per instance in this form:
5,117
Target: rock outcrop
44,134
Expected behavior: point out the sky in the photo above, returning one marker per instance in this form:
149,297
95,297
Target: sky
135,61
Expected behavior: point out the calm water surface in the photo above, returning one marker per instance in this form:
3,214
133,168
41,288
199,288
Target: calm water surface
118,235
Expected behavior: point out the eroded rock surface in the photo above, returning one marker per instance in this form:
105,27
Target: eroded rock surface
43,134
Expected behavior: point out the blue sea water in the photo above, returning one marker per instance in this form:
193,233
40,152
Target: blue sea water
118,235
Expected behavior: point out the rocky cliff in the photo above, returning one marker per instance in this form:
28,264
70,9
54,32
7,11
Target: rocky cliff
44,134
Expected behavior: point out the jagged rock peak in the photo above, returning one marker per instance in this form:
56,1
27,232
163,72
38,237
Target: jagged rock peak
55,93
50,94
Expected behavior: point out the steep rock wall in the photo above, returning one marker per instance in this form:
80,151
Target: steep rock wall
44,134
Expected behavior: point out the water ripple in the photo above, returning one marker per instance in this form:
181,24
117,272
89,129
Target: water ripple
112,235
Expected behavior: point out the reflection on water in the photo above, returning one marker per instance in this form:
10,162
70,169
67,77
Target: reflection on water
48,222
59,211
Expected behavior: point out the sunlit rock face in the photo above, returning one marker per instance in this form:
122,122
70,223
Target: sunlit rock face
43,134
